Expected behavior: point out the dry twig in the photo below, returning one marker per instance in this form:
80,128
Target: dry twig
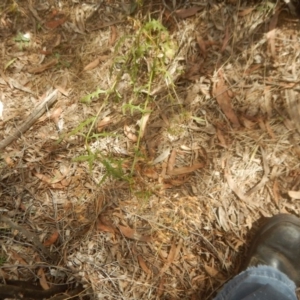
33,117
29,235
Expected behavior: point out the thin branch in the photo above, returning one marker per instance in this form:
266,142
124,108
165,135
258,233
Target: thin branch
29,235
33,117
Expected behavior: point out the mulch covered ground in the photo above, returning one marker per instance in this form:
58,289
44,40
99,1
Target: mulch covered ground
172,128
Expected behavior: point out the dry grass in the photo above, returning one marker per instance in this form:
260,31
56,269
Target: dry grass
174,220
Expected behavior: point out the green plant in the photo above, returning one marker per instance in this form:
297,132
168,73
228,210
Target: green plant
146,63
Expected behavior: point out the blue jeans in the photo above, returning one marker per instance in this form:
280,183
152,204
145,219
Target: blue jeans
259,283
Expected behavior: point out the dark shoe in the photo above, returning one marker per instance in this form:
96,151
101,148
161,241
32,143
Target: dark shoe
277,244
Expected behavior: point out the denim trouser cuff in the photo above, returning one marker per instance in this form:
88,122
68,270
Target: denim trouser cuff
259,283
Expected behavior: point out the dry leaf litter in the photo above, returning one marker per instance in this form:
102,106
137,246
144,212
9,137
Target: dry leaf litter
220,147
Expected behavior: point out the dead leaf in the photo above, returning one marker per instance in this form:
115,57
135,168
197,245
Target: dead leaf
59,20
8,161
212,272
193,70
294,194
221,214
18,258
162,156
234,187
170,259
226,39
188,12
103,225
185,170
224,101
42,279
177,182
132,234
245,12
56,114
128,132
161,287
272,33
221,138
201,44
270,131
62,90
57,178
143,265
247,123
150,173
103,123
52,239
265,177
56,182
171,161
19,86
113,35
92,65
42,68
142,123
252,69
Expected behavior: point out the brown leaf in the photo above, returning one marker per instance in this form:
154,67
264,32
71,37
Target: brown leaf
103,225
178,182
226,39
221,138
57,178
265,177
270,131
62,90
103,123
224,101
201,44
113,35
185,170
54,182
57,22
245,12
18,258
132,234
172,256
247,123
42,279
188,12
150,173
128,132
170,259
171,161
143,265
212,272
92,65
52,239
56,114
42,68
161,287
8,161
272,33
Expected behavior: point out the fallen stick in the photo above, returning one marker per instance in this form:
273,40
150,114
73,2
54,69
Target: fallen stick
16,292
33,117
31,237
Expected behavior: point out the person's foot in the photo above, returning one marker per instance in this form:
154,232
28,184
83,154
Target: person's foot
277,244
